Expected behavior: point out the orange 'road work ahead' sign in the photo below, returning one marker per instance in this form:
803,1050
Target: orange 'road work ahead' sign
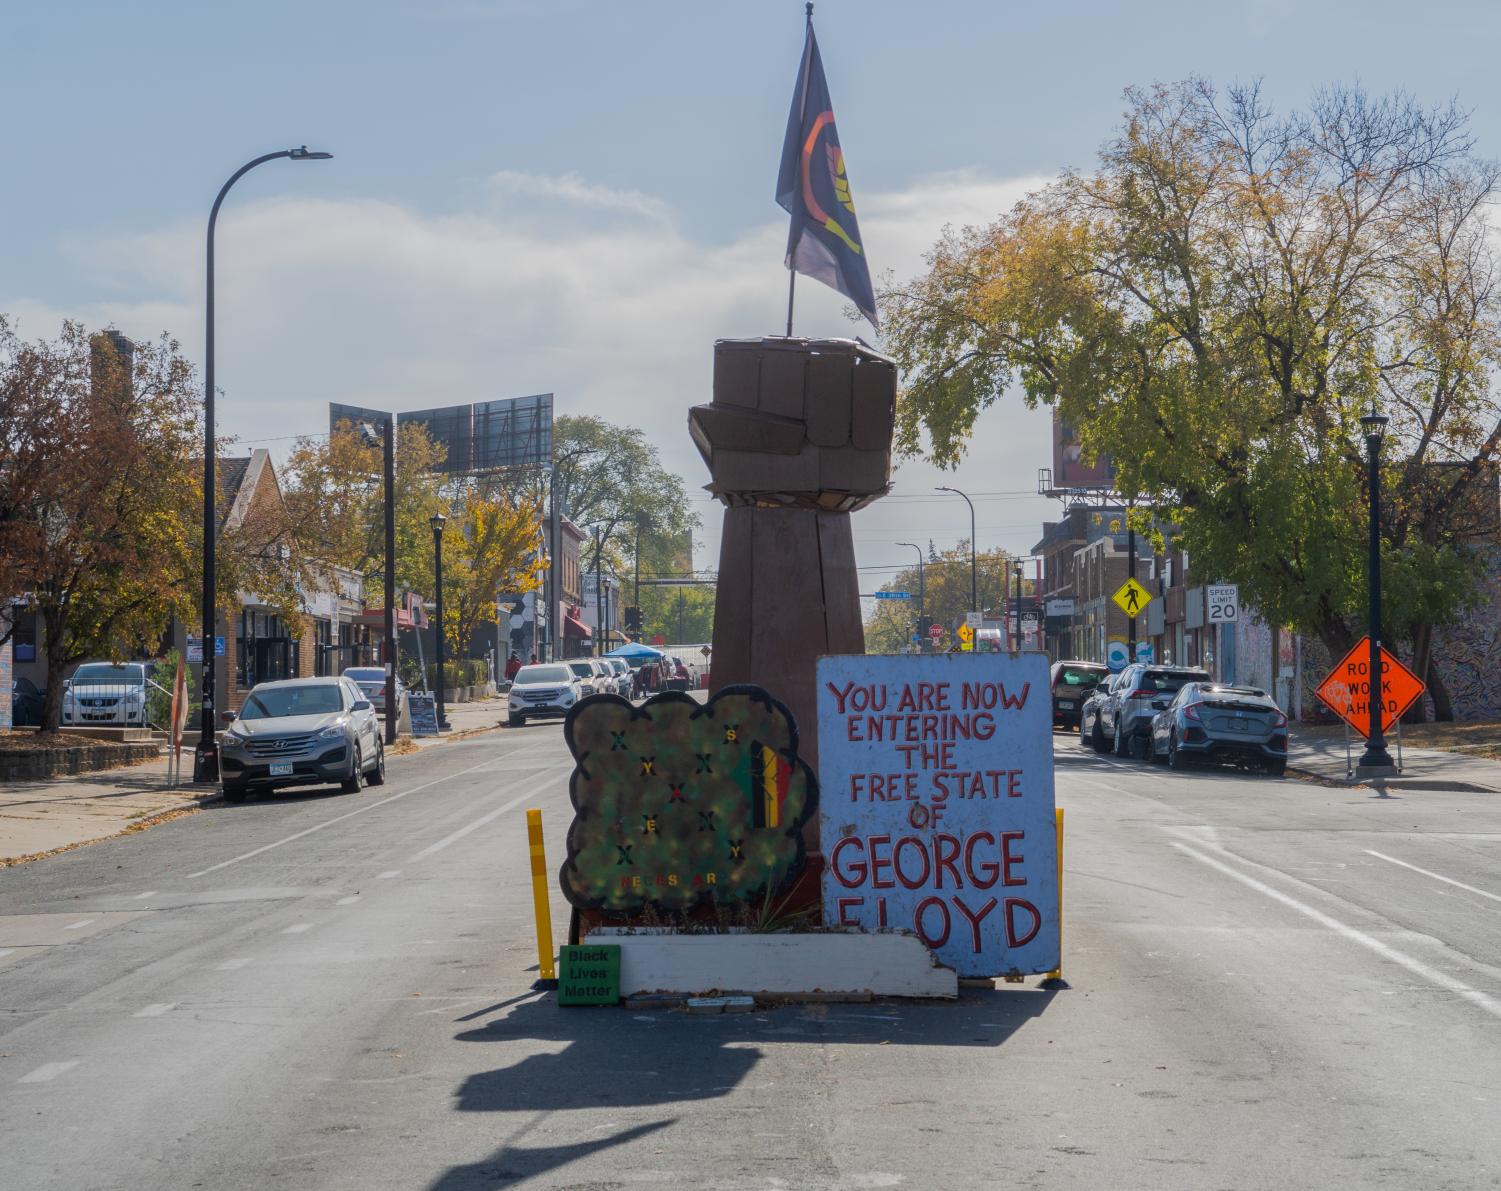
1346,690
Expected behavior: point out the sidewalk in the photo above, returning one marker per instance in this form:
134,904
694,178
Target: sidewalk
1321,755
42,817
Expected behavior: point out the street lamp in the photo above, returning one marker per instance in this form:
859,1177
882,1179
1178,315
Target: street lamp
974,570
1375,756
437,521
206,752
920,591
1016,568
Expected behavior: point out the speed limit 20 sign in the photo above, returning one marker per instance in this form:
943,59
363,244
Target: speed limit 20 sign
1222,603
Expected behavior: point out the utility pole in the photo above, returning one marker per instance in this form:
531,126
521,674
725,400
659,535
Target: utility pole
1131,571
918,631
599,595
390,625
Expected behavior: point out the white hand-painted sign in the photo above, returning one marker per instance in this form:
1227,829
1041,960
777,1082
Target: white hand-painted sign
936,773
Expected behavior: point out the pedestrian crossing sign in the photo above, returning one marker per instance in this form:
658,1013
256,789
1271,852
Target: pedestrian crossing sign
1132,598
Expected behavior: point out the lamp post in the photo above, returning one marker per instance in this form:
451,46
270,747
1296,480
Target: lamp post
1016,567
1375,756
437,521
206,752
920,593
974,570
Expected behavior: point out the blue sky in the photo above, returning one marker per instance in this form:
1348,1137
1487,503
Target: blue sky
577,196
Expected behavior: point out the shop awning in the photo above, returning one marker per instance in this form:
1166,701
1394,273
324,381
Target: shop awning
574,627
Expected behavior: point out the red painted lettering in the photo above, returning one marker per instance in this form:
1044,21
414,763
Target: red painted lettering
917,921
1013,904
896,857
974,919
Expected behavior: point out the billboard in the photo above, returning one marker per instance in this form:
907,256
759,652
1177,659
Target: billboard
485,436
1069,468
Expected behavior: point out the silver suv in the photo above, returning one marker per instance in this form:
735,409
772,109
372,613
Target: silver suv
1142,690
302,731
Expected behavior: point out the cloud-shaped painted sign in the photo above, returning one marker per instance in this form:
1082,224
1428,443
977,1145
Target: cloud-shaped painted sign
678,804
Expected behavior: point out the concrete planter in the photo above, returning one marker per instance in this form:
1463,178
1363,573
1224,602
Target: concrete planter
851,963
62,762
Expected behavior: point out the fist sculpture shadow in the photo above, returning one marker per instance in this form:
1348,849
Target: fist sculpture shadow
798,435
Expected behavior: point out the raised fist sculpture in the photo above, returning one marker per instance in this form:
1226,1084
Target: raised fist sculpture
797,437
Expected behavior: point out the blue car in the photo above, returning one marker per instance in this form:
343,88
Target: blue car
1224,724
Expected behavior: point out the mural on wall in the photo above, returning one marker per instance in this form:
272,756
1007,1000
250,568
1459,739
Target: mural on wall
1468,651
679,804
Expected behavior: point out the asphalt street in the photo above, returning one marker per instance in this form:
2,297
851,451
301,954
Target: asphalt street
1273,984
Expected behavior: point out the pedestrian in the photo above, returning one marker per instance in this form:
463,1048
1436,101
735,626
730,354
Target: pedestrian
513,665
534,659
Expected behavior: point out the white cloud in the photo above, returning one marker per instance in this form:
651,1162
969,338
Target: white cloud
378,304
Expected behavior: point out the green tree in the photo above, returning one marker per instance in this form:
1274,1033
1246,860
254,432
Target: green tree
99,493
946,597
683,615
1214,307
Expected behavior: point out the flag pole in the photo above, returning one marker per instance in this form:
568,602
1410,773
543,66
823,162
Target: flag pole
791,269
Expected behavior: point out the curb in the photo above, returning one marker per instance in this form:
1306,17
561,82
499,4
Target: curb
1416,784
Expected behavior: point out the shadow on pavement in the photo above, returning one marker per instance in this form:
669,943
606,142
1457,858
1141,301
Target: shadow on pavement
615,1059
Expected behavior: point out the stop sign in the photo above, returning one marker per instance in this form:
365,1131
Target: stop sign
935,631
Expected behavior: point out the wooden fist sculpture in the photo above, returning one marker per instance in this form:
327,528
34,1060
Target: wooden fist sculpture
798,435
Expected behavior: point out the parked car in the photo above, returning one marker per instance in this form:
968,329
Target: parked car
623,676
543,689
1090,733
106,694
1071,683
1241,725
588,676
679,677
1125,718
25,703
604,677
302,731
372,680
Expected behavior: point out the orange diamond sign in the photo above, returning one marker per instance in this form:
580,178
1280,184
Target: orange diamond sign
1346,690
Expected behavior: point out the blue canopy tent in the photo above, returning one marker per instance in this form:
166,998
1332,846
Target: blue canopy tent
635,650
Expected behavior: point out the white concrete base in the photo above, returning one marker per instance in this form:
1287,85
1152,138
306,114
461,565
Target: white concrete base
889,964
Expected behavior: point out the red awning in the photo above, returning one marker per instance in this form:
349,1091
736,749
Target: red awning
574,627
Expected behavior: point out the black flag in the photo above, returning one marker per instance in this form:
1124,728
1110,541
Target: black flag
824,240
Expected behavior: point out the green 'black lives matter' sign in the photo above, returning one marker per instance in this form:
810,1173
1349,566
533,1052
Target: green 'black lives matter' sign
589,974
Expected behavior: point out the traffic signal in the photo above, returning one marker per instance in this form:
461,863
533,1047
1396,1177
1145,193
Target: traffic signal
633,620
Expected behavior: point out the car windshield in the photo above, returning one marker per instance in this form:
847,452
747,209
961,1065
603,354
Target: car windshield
1080,676
530,674
582,669
102,672
272,703
365,674
1159,680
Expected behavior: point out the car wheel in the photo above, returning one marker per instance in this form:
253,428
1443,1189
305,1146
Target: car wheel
377,775
1121,745
1097,738
1276,768
355,782
515,721
1152,753
1175,759
1083,733
235,792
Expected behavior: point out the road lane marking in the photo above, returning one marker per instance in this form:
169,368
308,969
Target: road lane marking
232,965
143,896
297,928
4,951
156,1010
80,925
48,1072
1370,942
1435,876
454,837
213,868
389,875
348,901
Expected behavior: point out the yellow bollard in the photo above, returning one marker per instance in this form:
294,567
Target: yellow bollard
1057,973
545,960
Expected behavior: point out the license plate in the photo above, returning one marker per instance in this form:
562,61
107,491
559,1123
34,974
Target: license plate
1065,702
281,769
1239,726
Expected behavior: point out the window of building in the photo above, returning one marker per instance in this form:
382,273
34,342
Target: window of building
23,637
263,650
323,660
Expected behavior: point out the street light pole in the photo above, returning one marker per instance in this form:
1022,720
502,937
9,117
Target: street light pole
437,521
974,570
389,467
206,752
1375,756
1016,567
920,593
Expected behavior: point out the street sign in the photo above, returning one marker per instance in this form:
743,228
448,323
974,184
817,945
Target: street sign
424,712
1117,656
974,619
218,647
1222,603
589,975
1346,689
706,651
1132,598
195,649
966,634
1060,607
935,631
972,778
893,595
659,640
